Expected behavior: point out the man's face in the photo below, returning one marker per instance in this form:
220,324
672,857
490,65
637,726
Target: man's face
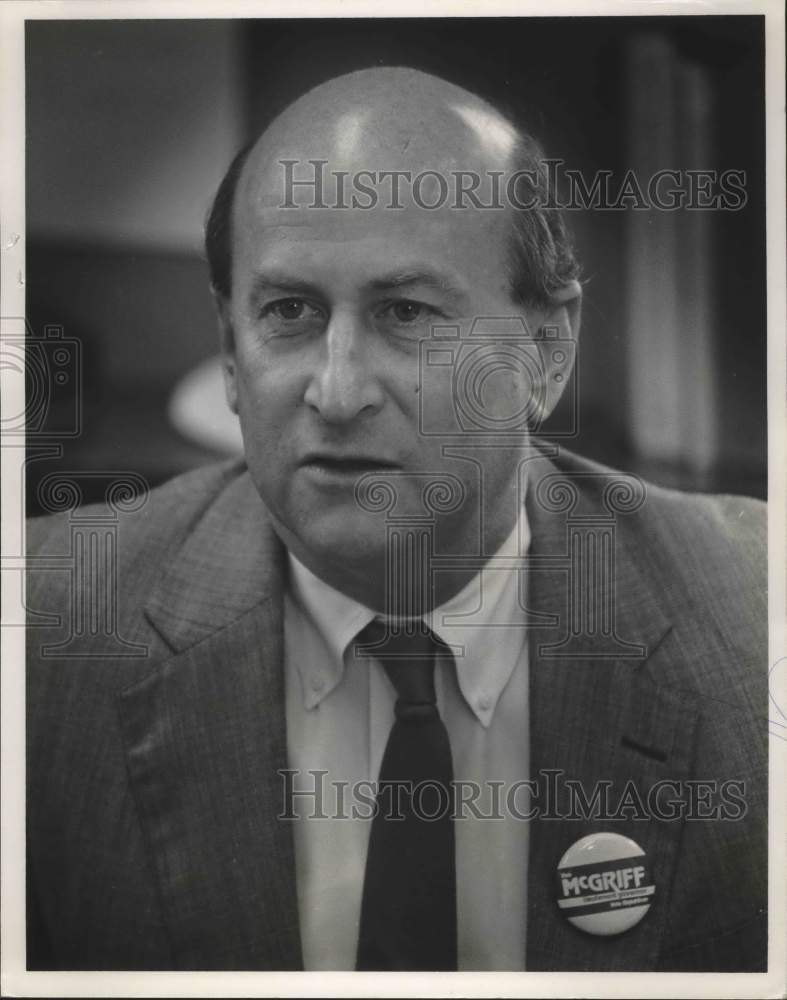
328,310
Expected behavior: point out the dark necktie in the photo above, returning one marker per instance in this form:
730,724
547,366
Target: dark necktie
408,910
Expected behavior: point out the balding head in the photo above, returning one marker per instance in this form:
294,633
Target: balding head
392,123
395,119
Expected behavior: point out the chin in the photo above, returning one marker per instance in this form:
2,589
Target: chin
349,539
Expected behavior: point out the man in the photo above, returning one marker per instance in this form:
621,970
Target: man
399,588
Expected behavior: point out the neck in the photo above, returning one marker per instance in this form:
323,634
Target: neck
414,568
409,580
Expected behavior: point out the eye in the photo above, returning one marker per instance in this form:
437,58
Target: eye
288,309
408,311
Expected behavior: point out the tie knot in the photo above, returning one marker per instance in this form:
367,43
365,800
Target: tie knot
406,649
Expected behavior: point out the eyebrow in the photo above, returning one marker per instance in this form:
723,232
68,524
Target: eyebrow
399,279
419,276
284,282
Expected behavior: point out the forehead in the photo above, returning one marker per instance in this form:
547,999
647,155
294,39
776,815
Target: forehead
354,226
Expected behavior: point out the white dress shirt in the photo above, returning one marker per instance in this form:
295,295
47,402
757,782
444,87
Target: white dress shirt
339,716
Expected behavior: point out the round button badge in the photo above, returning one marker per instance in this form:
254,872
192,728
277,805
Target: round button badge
604,884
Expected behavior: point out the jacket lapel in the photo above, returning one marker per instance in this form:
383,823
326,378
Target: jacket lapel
205,737
598,713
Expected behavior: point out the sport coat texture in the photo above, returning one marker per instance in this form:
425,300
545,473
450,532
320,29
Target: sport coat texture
153,747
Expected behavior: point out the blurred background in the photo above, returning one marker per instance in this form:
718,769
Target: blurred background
131,125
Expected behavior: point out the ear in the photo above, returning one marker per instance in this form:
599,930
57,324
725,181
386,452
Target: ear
227,342
558,342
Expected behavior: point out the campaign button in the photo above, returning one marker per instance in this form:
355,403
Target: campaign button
605,885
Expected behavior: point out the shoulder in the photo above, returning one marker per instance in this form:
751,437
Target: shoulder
90,574
697,561
712,543
112,555
678,529
165,513
709,549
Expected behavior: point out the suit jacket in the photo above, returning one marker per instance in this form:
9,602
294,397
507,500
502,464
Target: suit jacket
156,723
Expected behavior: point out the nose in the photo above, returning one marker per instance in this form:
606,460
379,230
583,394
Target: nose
343,385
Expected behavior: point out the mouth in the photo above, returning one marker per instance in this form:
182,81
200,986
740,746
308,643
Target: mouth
346,466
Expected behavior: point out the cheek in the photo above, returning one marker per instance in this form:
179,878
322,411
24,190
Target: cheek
491,397
267,401
515,395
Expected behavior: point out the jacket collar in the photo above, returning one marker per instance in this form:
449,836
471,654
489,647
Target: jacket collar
230,562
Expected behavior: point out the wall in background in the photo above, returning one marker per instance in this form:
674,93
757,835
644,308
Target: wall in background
130,124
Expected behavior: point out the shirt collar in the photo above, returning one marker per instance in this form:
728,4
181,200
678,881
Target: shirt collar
337,617
483,625
489,605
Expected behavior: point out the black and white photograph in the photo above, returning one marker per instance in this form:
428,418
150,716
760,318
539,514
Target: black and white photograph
393,505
